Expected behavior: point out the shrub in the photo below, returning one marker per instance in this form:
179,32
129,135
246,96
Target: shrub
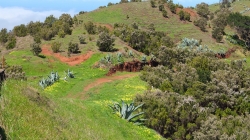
164,13
161,7
61,34
203,10
11,42
56,47
37,39
152,2
172,7
81,39
105,42
217,33
186,16
73,48
35,48
181,15
15,72
90,27
201,23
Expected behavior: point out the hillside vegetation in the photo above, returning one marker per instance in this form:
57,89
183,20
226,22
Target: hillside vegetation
133,70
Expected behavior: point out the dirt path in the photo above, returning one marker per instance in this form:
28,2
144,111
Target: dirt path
72,61
99,82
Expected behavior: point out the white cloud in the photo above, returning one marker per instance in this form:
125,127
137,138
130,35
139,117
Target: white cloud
12,16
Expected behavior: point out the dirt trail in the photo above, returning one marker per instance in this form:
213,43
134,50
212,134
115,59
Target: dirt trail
72,61
99,82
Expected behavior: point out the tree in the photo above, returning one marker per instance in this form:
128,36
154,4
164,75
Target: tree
50,20
124,1
242,25
34,28
35,48
20,31
3,35
203,10
105,42
66,18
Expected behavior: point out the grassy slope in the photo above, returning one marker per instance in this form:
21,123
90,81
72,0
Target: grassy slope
143,14
55,116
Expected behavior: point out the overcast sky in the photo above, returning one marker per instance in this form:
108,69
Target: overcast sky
16,12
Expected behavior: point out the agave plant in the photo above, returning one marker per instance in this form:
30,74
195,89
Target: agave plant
130,53
69,74
144,59
52,78
126,111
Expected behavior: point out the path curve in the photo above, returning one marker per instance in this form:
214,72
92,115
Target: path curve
101,81
72,61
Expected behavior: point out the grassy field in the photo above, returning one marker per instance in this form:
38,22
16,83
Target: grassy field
28,112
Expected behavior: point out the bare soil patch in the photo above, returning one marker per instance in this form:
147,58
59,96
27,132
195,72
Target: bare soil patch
72,61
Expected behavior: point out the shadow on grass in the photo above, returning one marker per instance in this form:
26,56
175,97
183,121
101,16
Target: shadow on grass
41,56
2,134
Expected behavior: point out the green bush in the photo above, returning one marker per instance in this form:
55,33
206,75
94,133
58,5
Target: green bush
73,48
217,33
186,16
81,39
152,2
55,46
164,13
201,23
203,10
20,31
35,48
3,35
90,27
37,39
181,15
61,34
105,42
161,7
11,42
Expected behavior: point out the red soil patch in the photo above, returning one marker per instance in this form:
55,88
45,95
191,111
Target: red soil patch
110,27
189,10
74,60
99,82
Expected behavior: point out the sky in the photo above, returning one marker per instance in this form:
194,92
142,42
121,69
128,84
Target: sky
16,12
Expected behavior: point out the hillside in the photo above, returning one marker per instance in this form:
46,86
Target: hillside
182,97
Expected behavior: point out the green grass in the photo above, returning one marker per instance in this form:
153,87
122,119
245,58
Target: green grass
54,115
